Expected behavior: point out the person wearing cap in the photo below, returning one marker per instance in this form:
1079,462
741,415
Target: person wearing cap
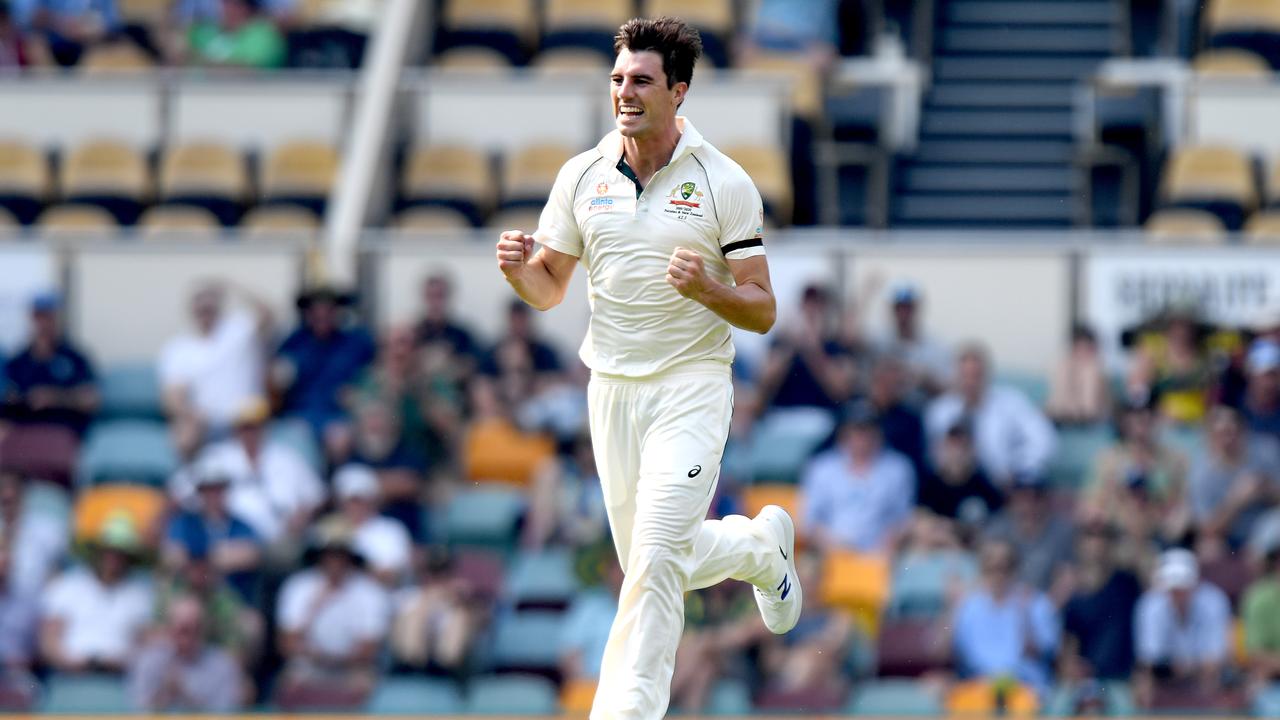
1079,393
858,495
208,374
1260,611
1261,405
318,360
379,442
230,622
928,361
50,381
181,671
1233,480
235,549
1011,434
1182,629
332,617
1173,364
92,618
384,543
807,365
1044,538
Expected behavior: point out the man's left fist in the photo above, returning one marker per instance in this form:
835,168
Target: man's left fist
686,273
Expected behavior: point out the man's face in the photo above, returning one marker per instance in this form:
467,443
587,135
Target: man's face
112,565
1224,430
997,564
972,374
642,103
44,324
186,627
213,498
322,317
904,314
863,440
1265,385
436,296
206,306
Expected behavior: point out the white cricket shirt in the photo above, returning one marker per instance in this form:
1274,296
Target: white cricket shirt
701,200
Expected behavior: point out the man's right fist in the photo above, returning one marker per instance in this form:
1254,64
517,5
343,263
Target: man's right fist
514,250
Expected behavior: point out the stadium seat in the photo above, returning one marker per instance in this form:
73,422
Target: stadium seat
128,450
908,648
76,220
17,696
857,582
44,452
164,222
278,220
130,391
801,700
768,167
85,695
784,495
482,570
206,174
314,695
473,60
1078,447
507,26
451,176
143,506
1174,225
415,696
486,516
107,173
588,24
300,173
714,20
1117,701
572,62
512,695
576,696
1032,385
520,218
25,180
529,173
528,641
48,501
1218,179
979,698
1232,573
430,219
543,579
798,73
121,56
150,14
894,698
1231,63
297,435
729,697
784,439
1263,228
1252,25
920,581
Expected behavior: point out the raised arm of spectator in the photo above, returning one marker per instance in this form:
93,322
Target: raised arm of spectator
1039,439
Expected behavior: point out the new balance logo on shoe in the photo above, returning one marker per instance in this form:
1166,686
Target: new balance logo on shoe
785,587
784,553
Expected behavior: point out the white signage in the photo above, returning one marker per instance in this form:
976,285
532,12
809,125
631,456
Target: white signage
24,271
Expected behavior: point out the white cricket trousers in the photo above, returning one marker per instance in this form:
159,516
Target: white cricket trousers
658,442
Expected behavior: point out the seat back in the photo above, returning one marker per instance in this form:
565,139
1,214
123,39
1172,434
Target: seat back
511,695
1180,225
105,168
300,169
163,222
130,391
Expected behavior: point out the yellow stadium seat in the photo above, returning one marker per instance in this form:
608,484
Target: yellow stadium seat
1231,63
25,180
1175,225
163,222
799,74
278,220
520,218
769,168
1263,228
713,15
116,57
472,59
978,698
577,695
452,175
857,582
589,24
572,62
207,174
507,26
76,220
529,173
1247,24
107,173
431,218
1218,179
98,506
149,13
786,496
301,172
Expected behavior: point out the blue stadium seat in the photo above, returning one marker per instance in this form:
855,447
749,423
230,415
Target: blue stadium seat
415,696
919,584
130,391
297,434
484,516
512,695
544,579
1077,449
85,694
1117,701
1034,386
132,450
894,698
729,697
784,440
528,641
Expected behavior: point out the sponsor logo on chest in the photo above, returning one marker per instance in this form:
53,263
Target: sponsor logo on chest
685,201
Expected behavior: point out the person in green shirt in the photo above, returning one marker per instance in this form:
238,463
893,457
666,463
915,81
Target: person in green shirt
1261,614
244,38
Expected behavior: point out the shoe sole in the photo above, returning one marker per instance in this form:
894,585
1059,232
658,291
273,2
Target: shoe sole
796,596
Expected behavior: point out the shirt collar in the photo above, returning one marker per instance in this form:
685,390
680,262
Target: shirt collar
611,146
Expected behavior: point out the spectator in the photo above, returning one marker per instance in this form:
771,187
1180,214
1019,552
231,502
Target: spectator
1262,396
900,422
182,672
811,656
858,495
233,547
721,627
318,360
437,620
492,427
377,443
68,26
382,542
1002,628
588,620
1233,481
928,361
243,37
229,622
397,381
92,618
1140,483
273,489
1260,612
13,55
50,381
804,26
332,617
440,332
1044,538
808,366
1183,629
35,541
1078,390
208,375
1097,619
1010,434
1173,365
566,504
521,350
957,487
18,613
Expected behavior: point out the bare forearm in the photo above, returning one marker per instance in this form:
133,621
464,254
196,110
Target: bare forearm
747,306
537,286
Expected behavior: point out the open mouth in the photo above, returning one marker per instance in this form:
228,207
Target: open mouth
630,111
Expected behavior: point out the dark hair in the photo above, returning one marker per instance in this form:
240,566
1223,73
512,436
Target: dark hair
679,44
1081,332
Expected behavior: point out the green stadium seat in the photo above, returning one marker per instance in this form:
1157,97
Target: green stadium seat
485,517
528,641
128,450
415,696
85,695
130,391
1077,450
784,440
729,697
919,583
1034,386
894,698
542,579
512,695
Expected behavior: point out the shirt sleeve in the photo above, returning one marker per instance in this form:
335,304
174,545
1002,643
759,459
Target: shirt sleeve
1038,436
741,215
58,599
558,225
292,608
1216,627
375,620
1045,629
813,503
1149,631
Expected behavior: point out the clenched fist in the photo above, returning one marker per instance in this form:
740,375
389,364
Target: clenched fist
514,250
687,274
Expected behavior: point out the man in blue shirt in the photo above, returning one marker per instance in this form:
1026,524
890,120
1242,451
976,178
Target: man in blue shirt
50,381
234,548
70,26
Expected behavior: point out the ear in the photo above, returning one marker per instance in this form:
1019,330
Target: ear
680,90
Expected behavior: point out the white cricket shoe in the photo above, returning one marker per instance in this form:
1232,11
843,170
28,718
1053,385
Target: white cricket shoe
780,600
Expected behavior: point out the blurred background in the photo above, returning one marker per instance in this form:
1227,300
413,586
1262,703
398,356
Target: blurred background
276,435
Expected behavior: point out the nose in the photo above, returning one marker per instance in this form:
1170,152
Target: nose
627,89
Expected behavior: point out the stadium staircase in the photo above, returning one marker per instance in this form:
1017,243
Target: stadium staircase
996,135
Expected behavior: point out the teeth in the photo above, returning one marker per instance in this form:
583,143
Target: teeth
629,110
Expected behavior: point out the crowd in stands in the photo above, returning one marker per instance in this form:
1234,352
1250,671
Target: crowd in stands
328,522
